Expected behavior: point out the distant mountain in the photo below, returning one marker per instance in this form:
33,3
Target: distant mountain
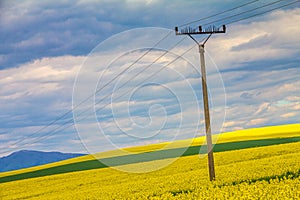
27,158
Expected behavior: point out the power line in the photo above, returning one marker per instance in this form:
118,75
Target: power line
217,14
148,66
247,11
148,78
255,15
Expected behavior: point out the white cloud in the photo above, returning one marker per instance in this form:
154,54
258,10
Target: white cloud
229,124
46,76
258,40
297,106
287,115
263,108
256,122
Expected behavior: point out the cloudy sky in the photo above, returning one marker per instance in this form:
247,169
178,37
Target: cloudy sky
60,65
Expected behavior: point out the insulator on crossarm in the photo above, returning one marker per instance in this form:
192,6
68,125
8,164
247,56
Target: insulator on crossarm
224,28
200,29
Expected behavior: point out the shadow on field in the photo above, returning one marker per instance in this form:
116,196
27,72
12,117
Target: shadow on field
145,157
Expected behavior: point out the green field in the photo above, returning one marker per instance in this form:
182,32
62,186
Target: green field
249,164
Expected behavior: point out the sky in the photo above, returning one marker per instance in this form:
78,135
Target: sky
59,60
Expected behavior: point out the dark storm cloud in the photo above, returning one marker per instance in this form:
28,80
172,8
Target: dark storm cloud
35,29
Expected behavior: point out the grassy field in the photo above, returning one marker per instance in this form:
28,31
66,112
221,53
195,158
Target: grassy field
268,171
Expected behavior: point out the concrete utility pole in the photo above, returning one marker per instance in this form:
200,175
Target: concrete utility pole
210,30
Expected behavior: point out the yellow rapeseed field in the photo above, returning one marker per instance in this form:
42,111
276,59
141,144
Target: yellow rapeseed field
270,172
